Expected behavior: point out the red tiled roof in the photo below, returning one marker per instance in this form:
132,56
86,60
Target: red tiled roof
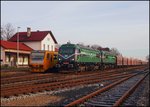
13,45
35,36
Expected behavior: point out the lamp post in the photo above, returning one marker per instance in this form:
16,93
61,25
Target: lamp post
18,46
2,32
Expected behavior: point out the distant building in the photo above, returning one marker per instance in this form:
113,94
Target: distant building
9,53
39,40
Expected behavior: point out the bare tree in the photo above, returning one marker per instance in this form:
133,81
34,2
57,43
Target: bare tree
95,46
105,49
2,33
7,31
115,51
147,58
81,44
58,46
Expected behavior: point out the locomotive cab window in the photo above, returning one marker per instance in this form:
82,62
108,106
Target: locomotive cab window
77,50
66,50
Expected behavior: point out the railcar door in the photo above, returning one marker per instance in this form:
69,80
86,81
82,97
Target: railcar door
51,60
55,59
47,60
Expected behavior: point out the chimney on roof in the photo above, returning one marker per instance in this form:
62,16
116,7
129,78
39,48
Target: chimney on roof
28,31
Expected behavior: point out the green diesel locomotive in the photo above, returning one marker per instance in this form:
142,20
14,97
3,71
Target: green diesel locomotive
81,58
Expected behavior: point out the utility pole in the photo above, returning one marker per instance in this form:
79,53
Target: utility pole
18,46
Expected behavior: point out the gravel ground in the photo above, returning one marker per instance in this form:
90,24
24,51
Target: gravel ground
39,100
76,93
48,98
4,74
140,97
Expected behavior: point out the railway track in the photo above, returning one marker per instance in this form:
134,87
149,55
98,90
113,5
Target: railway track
11,74
49,78
62,83
50,86
25,78
34,77
113,94
45,78
52,78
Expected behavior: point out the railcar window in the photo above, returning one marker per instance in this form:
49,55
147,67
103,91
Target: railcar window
51,59
55,57
37,56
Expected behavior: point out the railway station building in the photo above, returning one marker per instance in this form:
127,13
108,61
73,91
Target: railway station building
9,53
37,40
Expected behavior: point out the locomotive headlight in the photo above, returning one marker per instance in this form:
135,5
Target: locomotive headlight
72,59
59,59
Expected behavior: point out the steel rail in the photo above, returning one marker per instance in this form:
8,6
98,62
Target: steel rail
52,86
81,100
28,78
129,92
57,79
74,79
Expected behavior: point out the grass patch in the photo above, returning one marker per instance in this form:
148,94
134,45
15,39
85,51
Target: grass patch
14,68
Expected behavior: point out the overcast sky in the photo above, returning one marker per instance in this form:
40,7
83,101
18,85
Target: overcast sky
123,25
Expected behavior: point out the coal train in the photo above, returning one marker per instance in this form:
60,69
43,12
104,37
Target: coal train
81,58
75,57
